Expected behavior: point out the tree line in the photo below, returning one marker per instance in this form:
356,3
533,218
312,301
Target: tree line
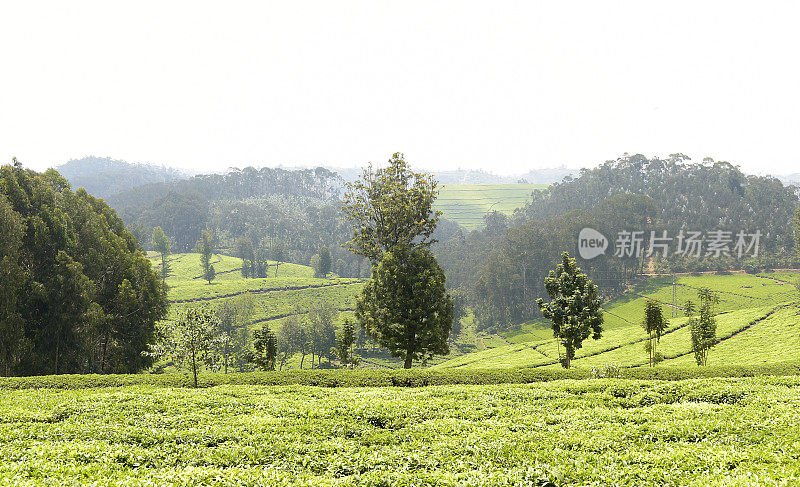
502,266
76,293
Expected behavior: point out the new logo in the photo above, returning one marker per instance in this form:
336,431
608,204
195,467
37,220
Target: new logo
591,243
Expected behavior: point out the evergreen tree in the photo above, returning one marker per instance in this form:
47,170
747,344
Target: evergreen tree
574,307
405,307
654,324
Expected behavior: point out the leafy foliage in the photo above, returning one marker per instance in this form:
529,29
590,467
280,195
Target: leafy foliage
191,341
405,306
654,325
265,347
574,308
704,327
390,207
78,294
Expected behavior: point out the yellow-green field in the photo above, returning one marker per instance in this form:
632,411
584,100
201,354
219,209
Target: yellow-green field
294,292
758,322
468,203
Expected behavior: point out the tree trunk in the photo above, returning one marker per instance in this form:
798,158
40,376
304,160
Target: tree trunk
103,355
567,356
409,357
194,369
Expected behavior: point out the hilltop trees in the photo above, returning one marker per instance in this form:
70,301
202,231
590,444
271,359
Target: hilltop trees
574,308
654,324
405,306
76,293
390,207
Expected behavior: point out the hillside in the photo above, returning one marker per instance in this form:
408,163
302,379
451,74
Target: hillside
293,292
104,177
467,204
758,322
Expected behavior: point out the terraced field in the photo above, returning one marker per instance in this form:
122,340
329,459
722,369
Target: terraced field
293,292
468,203
759,322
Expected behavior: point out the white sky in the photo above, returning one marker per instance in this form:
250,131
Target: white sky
502,86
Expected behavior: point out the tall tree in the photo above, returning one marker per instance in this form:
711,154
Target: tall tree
233,315
405,306
163,246
89,299
324,262
265,346
322,325
246,252
459,313
13,343
391,207
703,328
206,248
344,345
574,307
654,324
796,225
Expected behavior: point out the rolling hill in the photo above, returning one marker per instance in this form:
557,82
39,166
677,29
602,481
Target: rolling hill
758,321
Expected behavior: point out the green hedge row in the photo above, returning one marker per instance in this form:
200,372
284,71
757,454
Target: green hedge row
396,378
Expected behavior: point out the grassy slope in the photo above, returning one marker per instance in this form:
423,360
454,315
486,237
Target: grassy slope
744,298
467,203
293,292
703,432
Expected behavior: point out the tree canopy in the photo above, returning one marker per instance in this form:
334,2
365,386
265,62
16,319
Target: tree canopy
574,307
405,307
78,295
389,208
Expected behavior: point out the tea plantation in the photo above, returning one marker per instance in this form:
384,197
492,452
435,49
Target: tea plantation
705,432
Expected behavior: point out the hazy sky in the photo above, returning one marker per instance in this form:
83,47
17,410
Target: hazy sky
503,86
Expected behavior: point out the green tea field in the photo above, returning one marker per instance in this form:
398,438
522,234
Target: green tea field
468,203
601,432
758,322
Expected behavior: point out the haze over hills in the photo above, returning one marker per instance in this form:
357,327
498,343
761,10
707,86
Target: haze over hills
104,176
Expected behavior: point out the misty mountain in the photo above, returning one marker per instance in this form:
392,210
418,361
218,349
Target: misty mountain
104,177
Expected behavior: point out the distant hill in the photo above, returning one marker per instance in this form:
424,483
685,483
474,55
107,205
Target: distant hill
468,176
104,177
468,204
